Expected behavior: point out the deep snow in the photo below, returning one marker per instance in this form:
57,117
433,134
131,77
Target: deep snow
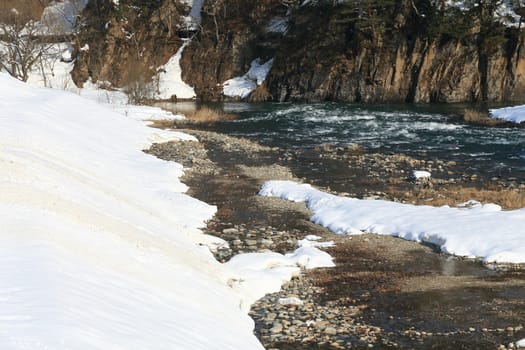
99,246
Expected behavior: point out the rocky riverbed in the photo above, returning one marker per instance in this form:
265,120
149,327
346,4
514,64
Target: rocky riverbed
384,292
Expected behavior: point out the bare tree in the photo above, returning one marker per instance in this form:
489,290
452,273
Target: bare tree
22,44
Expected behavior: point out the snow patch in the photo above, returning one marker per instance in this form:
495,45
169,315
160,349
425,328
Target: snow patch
60,17
257,274
514,114
194,19
504,12
243,86
421,174
277,25
313,241
54,69
290,301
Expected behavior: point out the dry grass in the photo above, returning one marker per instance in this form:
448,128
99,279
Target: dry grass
261,94
477,117
162,124
454,195
206,115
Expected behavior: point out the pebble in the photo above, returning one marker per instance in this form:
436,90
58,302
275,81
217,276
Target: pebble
230,231
295,314
276,328
330,331
292,301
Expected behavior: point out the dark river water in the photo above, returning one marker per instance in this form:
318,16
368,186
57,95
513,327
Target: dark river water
424,132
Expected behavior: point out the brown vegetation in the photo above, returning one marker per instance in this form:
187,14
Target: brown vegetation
477,117
30,9
260,94
209,115
162,124
507,198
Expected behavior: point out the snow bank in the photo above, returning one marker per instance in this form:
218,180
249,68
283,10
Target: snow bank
53,71
114,99
243,86
483,231
514,114
97,241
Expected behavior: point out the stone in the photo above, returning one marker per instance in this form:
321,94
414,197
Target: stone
230,231
271,316
322,324
330,331
277,327
266,241
290,301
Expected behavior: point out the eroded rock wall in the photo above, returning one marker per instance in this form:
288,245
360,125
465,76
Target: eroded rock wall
319,65
127,42
233,33
318,58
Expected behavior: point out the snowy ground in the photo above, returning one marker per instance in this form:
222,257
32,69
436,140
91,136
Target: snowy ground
480,231
100,248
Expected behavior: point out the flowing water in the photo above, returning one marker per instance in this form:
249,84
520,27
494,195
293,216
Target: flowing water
423,132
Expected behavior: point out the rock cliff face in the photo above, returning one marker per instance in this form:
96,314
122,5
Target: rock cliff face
233,34
319,67
128,42
317,57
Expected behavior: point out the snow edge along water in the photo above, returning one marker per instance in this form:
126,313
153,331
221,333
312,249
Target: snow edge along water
483,231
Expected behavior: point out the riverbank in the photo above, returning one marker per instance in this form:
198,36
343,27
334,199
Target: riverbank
384,292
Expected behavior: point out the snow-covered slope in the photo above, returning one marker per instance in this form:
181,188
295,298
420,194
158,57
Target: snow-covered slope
97,240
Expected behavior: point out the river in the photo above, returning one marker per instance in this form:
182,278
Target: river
421,131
